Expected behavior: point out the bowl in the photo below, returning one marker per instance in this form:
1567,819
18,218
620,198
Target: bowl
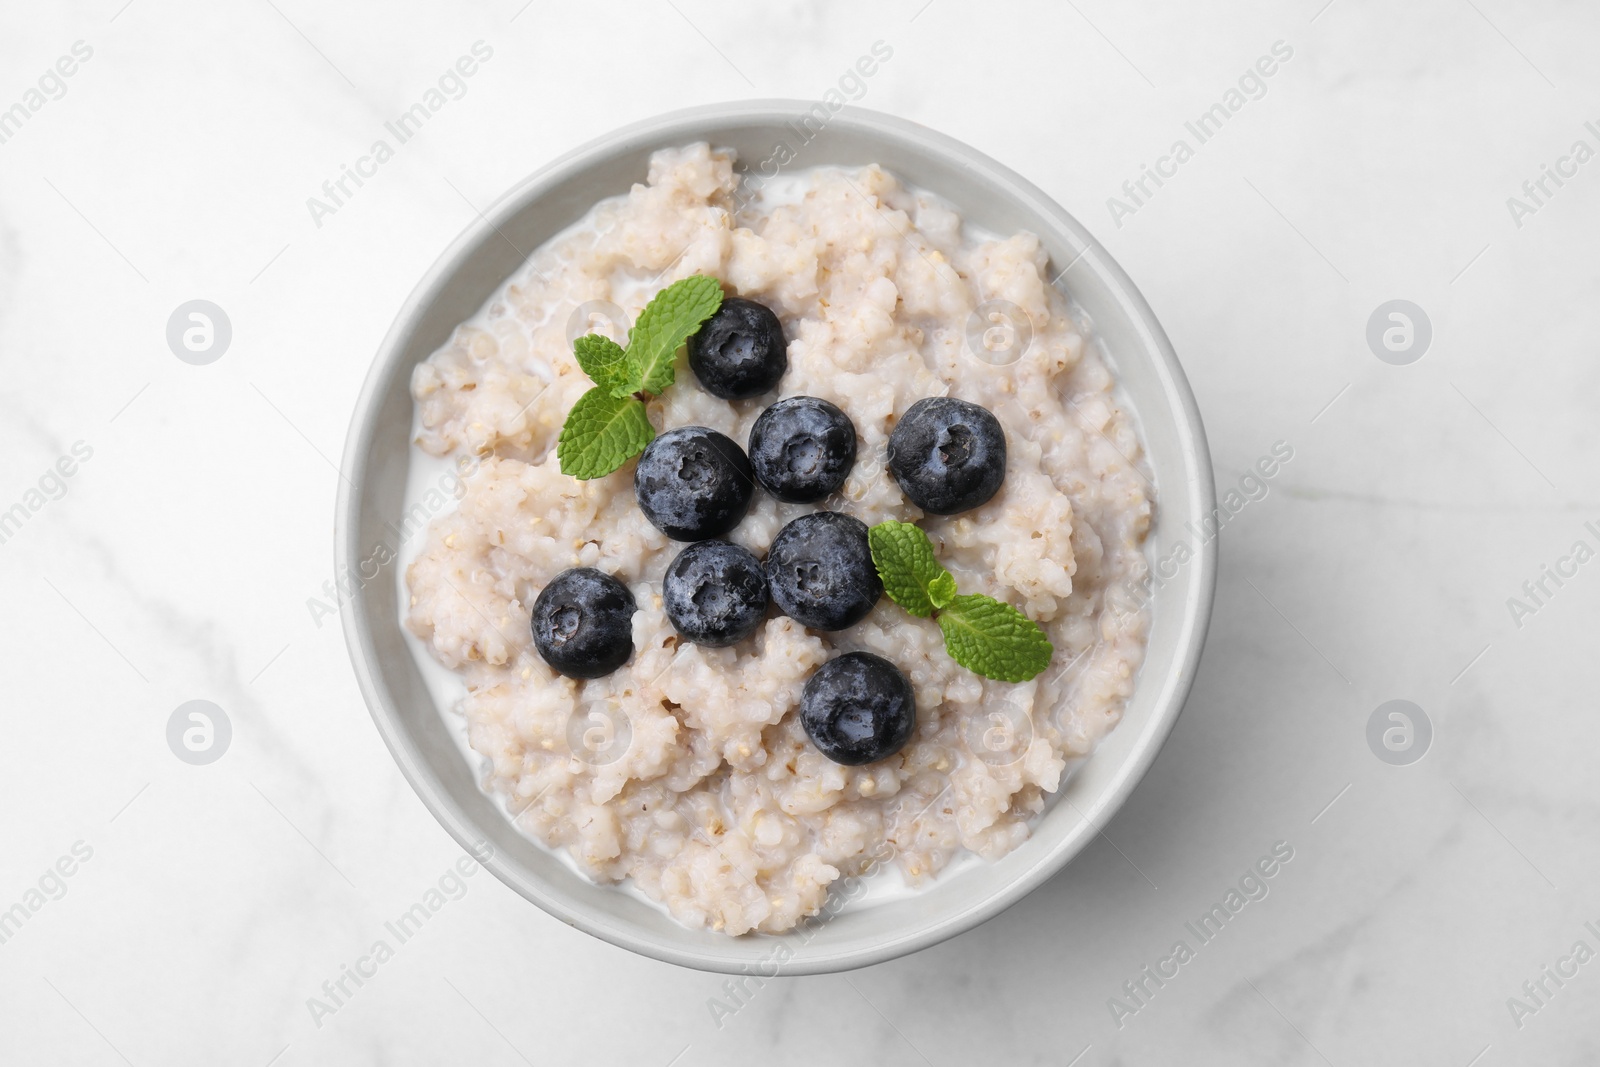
378,453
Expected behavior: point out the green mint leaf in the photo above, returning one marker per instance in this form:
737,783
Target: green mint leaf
601,433
994,639
603,360
903,556
629,381
662,327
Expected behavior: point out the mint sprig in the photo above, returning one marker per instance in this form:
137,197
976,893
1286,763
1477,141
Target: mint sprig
608,425
982,634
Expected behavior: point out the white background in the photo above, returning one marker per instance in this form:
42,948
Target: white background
179,563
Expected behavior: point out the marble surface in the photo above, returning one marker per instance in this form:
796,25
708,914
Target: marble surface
207,905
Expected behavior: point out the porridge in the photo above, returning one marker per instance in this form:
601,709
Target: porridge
714,703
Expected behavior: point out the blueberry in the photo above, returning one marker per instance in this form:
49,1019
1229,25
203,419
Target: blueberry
802,449
693,483
715,593
948,455
858,708
820,571
583,623
740,351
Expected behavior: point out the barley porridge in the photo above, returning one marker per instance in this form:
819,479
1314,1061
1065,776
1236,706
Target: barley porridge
687,771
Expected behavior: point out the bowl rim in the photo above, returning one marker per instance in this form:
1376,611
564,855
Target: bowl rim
681,124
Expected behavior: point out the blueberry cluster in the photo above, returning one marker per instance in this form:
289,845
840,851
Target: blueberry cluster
695,485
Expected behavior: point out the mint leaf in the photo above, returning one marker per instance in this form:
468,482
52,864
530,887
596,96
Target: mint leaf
601,433
903,556
662,327
994,639
603,360
627,383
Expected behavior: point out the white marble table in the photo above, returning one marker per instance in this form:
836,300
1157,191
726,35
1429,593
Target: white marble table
207,905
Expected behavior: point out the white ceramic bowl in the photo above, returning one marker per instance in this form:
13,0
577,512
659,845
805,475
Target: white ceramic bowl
378,453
